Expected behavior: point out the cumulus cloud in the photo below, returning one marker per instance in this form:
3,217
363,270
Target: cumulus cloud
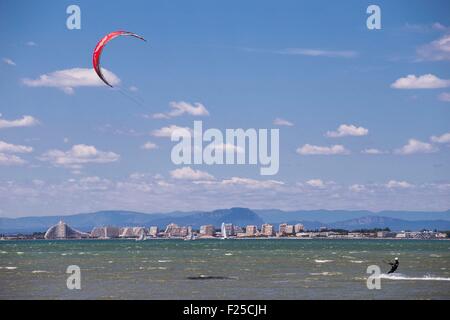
166,132
10,160
347,130
415,146
282,122
392,184
181,107
316,183
187,173
68,79
149,146
319,52
445,138
25,121
437,50
252,183
78,156
373,151
9,61
308,149
12,148
426,81
7,158
444,96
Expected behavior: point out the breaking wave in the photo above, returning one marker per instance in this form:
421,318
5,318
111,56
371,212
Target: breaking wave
400,276
322,261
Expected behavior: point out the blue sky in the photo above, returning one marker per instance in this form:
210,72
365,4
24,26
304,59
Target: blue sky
313,64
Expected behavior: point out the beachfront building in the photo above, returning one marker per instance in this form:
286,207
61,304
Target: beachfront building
251,231
207,230
299,228
105,232
228,228
153,231
126,232
285,229
63,231
173,230
386,234
267,230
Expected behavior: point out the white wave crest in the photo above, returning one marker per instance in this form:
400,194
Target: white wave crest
400,276
322,261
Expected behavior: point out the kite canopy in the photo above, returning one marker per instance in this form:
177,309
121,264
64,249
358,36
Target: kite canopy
99,48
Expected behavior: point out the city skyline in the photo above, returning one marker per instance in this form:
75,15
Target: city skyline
363,114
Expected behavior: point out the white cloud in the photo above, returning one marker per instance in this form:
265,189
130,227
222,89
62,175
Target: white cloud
415,146
69,79
9,61
282,122
392,184
133,89
179,108
426,81
226,147
347,130
25,121
308,149
149,146
31,43
444,96
437,50
318,53
166,132
445,138
373,151
10,160
79,155
357,188
13,148
252,183
187,173
316,183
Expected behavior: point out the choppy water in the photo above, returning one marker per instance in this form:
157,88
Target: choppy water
228,269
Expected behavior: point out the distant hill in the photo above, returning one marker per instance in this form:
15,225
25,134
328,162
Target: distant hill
371,222
87,221
330,216
350,220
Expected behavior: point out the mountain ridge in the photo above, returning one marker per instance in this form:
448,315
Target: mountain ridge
312,219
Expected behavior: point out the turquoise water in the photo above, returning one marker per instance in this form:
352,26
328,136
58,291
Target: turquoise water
248,269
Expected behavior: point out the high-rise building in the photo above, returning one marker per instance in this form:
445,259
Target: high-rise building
299,228
228,229
251,230
63,231
267,230
105,232
285,229
173,230
153,231
207,230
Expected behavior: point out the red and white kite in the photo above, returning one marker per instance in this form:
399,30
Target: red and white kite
99,48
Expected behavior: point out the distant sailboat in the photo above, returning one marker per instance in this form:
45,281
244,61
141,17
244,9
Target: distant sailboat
190,235
224,231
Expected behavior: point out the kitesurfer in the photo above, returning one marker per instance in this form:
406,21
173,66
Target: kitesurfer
394,265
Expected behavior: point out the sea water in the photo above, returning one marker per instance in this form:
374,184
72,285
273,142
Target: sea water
224,269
